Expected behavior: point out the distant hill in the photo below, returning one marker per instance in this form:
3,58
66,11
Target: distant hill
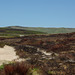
9,31
46,30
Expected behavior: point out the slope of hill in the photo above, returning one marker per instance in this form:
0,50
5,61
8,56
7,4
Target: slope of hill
47,30
15,32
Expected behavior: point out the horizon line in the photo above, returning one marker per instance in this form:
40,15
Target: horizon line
34,26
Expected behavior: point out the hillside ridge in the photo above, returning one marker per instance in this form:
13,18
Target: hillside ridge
46,30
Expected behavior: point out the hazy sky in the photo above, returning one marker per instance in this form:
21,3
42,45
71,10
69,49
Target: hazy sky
38,13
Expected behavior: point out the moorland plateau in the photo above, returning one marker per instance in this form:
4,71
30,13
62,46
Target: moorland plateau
44,54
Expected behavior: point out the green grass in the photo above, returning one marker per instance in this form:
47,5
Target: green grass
1,67
35,69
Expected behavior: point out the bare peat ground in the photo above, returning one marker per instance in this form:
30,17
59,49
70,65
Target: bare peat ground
53,54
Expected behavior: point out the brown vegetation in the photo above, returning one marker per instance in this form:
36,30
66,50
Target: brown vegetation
62,61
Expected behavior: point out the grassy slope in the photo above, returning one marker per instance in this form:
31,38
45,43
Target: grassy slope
47,30
16,32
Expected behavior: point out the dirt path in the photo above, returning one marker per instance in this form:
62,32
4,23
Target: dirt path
7,54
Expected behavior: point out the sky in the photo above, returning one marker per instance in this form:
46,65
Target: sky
37,13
